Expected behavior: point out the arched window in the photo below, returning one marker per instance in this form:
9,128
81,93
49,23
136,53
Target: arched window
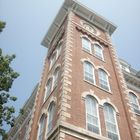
103,80
98,51
56,76
92,119
53,59
41,127
134,102
111,122
89,72
51,111
59,48
86,44
48,87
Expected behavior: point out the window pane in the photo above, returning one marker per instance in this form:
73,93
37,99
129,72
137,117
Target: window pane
98,51
56,74
113,136
110,122
48,87
91,114
86,44
103,80
41,127
50,116
134,103
88,72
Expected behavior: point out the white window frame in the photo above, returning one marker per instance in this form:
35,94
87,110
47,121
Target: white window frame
40,133
93,73
97,112
46,88
114,123
134,104
56,77
89,45
96,53
59,48
51,109
125,68
53,59
106,81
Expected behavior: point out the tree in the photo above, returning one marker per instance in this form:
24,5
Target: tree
7,76
2,25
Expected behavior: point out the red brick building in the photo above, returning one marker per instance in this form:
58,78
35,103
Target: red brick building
84,92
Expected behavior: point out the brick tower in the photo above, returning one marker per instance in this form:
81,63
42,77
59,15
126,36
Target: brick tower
82,94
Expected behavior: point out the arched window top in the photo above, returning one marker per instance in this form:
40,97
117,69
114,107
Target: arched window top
108,105
133,97
101,68
42,117
98,45
89,93
57,69
133,94
90,97
49,80
88,61
89,28
102,71
51,105
86,37
107,101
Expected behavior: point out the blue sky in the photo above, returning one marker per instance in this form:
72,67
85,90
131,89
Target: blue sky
27,21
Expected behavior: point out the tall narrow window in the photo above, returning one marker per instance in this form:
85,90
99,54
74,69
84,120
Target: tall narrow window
48,87
51,116
41,127
89,72
98,51
92,120
59,49
103,80
86,44
134,103
56,76
110,122
53,59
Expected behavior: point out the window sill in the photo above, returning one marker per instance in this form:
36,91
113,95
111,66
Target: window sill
87,51
101,59
90,82
97,86
46,99
93,55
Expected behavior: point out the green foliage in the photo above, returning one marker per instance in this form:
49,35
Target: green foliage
21,111
2,25
7,76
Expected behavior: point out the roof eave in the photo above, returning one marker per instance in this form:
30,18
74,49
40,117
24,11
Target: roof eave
82,11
